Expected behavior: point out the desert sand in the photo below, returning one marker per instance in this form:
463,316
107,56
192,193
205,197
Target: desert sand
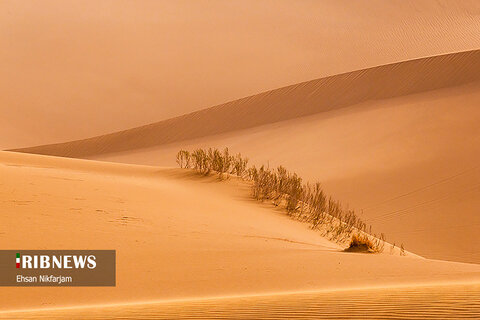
397,142
77,69
408,163
411,302
178,235
379,101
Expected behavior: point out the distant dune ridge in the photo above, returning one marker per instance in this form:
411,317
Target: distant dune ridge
303,99
79,69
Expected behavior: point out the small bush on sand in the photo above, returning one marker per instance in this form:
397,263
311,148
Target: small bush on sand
183,159
239,165
361,243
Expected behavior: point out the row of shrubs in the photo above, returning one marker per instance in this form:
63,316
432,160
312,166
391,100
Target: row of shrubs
303,201
206,161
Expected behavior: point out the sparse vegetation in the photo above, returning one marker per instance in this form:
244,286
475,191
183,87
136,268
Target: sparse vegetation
361,243
392,248
183,159
303,201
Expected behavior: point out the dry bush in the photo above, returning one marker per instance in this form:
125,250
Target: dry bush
183,159
200,161
252,173
264,184
318,200
294,192
392,248
302,201
361,243
379,243
214,160
239,165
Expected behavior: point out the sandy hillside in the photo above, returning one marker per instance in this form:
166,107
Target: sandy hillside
409,163
302,99
75,69
399,142
217,243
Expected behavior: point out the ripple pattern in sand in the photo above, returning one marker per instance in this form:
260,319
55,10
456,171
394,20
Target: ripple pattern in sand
445,302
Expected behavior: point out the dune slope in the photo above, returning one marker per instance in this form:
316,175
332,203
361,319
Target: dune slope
403,155
77,69
217,243
408,165
386,81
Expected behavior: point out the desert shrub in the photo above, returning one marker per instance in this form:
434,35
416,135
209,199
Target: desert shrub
183,159
379,243
363,242
318,201
239,165
283,188
294,192
214,160
264,184
252,173
360,243
200,161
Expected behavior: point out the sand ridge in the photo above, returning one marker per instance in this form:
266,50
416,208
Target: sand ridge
78,69
303,99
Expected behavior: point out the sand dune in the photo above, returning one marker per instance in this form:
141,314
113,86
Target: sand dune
97,97
307,98
409,163
398,143
187,249
77,69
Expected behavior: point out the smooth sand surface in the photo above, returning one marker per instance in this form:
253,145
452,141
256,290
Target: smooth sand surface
76,69
178,235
